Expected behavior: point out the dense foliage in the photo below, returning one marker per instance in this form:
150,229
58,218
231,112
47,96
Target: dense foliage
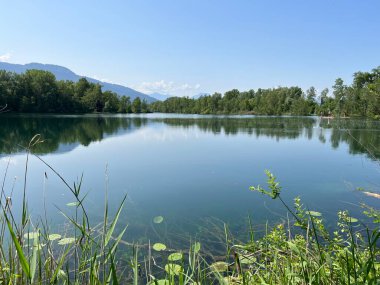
362,98
278,101
39,91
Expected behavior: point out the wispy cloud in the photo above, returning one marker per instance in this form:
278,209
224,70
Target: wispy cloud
5,57
102,79
168,88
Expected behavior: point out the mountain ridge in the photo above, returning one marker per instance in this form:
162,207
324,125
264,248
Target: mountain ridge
64,73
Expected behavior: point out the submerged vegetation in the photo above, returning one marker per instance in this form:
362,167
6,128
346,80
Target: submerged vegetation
301,250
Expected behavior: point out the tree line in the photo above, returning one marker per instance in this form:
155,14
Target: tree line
361,98
39,91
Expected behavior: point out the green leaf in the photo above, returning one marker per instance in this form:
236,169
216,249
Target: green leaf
158,219
113,224
72,204
54,237
352,220
175,256
196,247
159,246
23,260
33,262
32,235
115,281
65,241
172,268
247,259
313,213
219,266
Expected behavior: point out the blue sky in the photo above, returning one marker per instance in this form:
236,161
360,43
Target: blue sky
184,47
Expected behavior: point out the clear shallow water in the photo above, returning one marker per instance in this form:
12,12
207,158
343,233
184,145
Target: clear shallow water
193,170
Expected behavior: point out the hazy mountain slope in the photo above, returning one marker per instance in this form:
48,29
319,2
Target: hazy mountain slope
63,73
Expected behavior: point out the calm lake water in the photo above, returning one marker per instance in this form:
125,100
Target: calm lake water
194,171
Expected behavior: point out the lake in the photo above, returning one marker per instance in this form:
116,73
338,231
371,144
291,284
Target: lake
193,170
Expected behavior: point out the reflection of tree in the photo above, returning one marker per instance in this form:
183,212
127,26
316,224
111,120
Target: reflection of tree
362,136
56,130
274,127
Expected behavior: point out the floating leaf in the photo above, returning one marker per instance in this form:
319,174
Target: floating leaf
159,246
172,268
314,213
247,259
72,204
231,280
32,235
175,256
352,220
219,266
196,247
158,219
65,241
54,236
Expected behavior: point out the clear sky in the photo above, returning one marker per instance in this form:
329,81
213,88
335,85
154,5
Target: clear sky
184,47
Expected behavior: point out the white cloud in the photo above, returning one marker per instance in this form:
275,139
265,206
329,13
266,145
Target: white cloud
168,88
5,57
102,79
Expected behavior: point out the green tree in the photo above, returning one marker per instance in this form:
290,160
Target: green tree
136,105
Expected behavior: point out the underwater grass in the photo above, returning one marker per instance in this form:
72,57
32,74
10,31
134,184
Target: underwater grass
299,251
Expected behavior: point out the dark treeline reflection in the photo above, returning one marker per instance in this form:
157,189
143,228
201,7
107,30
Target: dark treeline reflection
17,131
63,133
274,127
362,136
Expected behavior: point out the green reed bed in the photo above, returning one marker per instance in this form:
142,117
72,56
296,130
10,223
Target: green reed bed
299,251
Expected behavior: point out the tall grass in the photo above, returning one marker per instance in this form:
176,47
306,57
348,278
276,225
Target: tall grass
300,251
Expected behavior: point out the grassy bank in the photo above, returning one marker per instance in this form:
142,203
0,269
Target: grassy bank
299,251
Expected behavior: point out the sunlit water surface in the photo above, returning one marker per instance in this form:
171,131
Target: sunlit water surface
195,171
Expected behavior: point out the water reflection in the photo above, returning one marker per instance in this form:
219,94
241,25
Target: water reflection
362,136
64,133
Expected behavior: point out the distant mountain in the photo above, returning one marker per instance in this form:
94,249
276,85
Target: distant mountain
160,97
63,73
200,95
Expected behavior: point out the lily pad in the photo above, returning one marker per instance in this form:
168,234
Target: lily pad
65,241
172,268
219,266
175,256
54,237
314,213
158,219
197,247
32,235
231,280
247,259
352,220
159,246
72,204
